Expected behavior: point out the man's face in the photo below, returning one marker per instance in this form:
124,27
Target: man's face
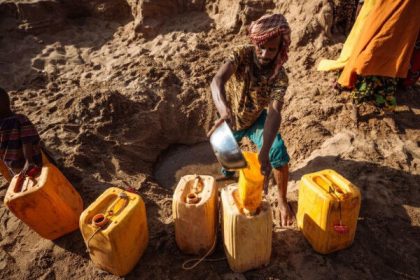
268,51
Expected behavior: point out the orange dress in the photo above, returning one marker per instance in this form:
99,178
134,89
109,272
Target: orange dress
387,41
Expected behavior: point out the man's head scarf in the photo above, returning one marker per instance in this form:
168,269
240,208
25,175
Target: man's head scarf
268,27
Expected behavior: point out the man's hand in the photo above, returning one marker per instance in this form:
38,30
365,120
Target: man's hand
29,169
226,116
265,170
25,168
265,163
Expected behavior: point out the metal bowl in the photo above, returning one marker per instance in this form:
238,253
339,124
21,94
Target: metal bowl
226,148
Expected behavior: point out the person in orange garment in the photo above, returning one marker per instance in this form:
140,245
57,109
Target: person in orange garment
20,147
248,91
382,54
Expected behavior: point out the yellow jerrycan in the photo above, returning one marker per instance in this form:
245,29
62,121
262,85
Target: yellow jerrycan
247,238
115,230
250,183
47,203
195,214
328,209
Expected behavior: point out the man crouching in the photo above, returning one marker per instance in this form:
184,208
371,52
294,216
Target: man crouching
248,91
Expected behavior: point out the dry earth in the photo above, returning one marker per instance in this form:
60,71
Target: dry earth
119,91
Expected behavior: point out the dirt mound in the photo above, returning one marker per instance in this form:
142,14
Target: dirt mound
151,15
121,92
32,16
236,15
47,15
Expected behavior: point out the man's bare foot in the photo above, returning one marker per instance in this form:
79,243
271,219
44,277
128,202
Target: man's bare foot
286,214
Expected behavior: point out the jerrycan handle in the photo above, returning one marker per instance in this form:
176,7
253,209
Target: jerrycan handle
198,184
121,195
31,174
332,189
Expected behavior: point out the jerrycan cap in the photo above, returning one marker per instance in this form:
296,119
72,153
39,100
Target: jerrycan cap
192,198
99,220
33,172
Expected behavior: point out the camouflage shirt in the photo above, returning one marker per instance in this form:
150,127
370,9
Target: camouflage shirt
249,91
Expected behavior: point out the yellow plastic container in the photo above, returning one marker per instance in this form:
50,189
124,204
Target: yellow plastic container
48,204
5,171
251,183
115,231
328,209
195,214
247,238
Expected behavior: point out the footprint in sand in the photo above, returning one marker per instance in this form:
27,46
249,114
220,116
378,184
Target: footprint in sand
52,109
87,75
69,103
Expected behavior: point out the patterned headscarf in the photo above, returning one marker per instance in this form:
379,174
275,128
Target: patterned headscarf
268,27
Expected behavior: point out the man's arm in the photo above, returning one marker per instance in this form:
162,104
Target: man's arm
271,127
218,94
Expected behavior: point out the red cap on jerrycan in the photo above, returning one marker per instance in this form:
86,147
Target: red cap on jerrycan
33,172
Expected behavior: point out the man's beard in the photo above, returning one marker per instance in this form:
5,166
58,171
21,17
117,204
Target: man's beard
264,62
268,64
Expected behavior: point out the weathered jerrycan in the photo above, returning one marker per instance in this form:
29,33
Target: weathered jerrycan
195,214
115,230
247,238
47,203
328,209
250,183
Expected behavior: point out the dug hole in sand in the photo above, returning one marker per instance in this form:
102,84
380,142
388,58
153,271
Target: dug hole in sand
119,92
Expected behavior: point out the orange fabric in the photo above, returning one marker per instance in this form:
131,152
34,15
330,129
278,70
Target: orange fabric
386,43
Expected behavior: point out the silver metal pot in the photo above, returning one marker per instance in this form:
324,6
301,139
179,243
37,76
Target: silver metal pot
226,148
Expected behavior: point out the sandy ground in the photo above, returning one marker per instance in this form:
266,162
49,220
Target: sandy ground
119,91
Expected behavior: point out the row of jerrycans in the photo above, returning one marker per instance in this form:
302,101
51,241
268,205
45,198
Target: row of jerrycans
114,226
327,215
328,210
